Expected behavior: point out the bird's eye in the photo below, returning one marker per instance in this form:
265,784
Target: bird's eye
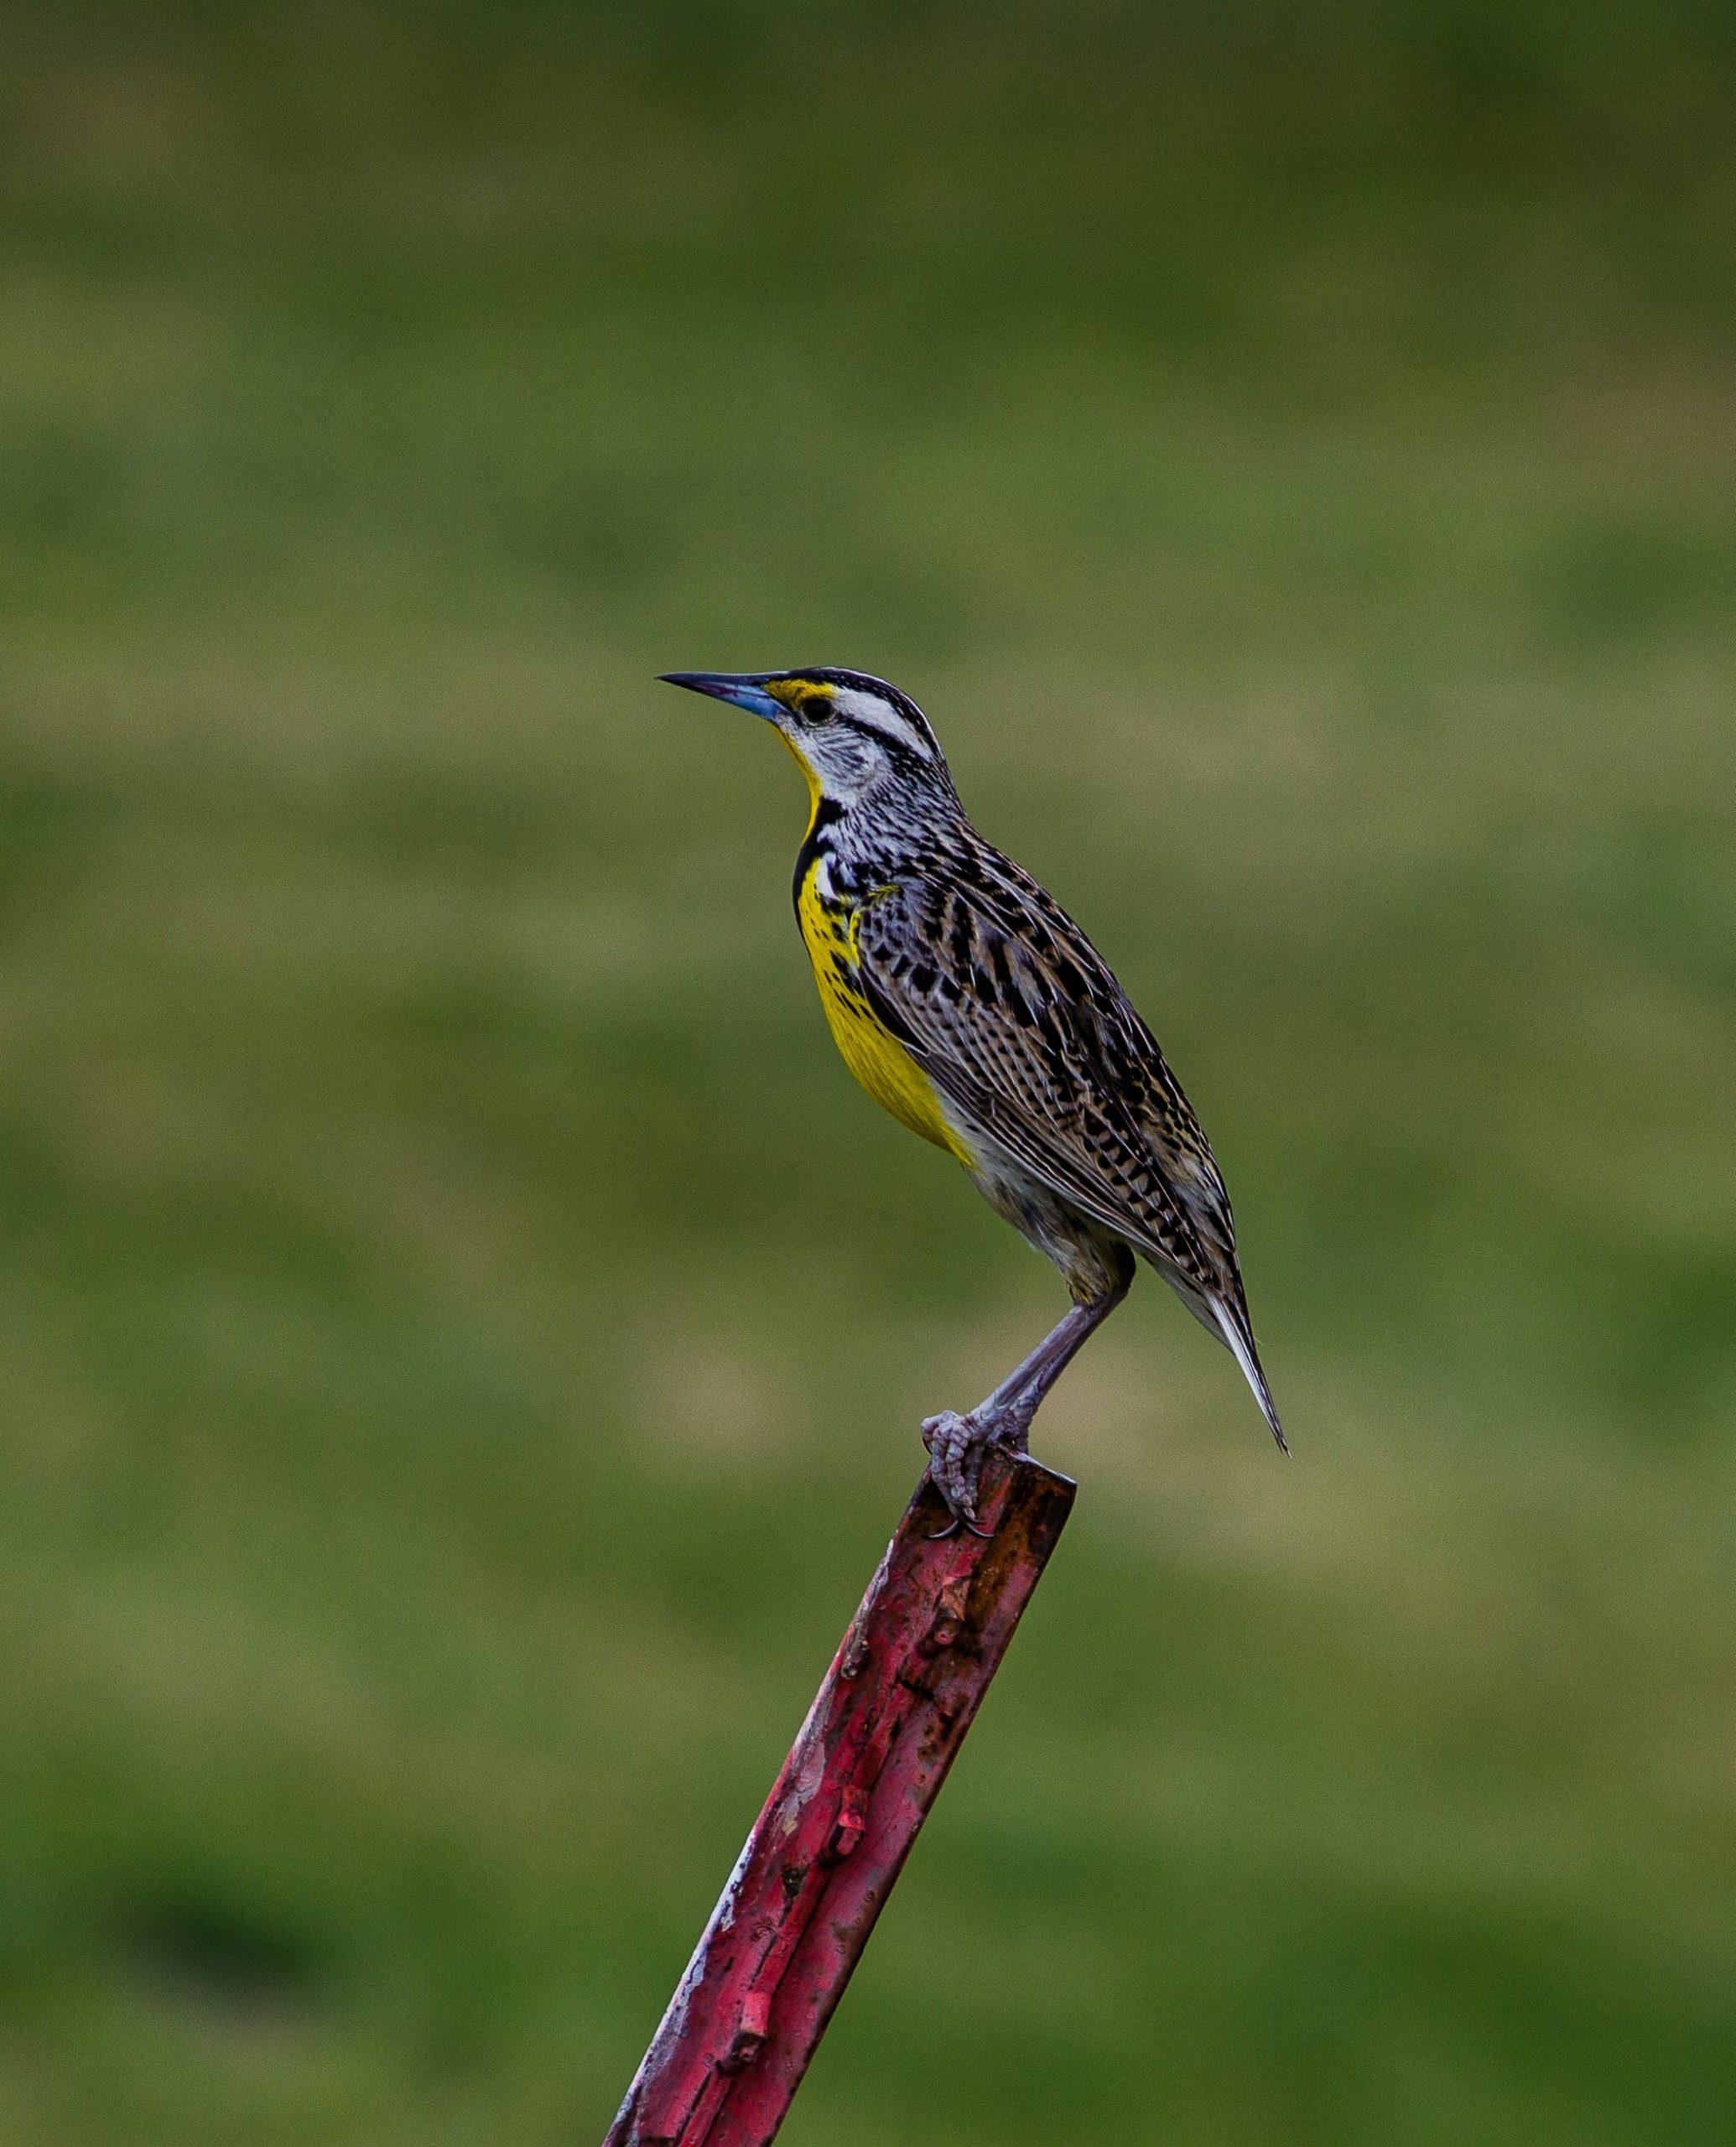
817,708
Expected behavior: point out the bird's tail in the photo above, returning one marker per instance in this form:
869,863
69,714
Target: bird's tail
1232,1322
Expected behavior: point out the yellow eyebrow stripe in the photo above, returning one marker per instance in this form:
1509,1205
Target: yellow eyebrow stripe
793,692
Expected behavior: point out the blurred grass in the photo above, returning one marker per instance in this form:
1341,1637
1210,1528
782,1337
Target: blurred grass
465,1336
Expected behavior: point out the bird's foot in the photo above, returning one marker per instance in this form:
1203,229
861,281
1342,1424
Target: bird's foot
957,1447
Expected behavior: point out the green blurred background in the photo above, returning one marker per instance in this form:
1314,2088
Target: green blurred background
463,1334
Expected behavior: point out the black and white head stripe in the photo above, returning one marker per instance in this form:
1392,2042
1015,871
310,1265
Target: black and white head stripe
873,706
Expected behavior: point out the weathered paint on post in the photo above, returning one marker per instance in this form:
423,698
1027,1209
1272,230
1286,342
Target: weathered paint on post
902,1691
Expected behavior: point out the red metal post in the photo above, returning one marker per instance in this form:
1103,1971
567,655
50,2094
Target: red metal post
883,1729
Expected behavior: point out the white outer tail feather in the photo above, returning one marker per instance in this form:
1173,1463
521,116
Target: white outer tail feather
1241,1347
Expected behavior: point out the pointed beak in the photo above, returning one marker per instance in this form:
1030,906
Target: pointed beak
742,689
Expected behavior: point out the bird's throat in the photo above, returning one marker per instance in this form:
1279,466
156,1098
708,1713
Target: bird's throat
815,794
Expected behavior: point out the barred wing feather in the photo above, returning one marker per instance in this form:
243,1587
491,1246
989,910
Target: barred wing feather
1022,1027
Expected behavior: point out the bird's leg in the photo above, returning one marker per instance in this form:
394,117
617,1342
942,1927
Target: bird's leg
957,1444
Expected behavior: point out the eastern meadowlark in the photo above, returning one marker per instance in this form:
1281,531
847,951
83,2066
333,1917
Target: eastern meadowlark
968,1003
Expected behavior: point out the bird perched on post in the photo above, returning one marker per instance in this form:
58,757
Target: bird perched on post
967,1002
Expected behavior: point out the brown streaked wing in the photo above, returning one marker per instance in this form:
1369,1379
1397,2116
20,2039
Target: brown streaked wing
1020,1023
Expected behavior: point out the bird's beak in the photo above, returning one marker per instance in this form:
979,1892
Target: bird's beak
744,689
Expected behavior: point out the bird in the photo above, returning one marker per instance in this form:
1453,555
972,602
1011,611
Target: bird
969,1004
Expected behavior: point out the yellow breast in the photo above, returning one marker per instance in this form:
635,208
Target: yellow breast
885,1069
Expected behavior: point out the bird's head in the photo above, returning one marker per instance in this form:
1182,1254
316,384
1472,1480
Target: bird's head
853,735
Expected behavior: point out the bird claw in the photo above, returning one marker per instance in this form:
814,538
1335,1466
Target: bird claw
956,1448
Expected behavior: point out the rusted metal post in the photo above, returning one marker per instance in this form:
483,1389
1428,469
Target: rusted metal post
902,1691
